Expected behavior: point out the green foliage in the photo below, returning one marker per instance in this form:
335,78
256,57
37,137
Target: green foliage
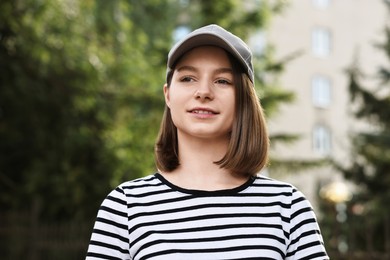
81,93
369,168
52,112
77,111
371,151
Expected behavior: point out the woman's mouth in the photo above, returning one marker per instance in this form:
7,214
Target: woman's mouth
202,112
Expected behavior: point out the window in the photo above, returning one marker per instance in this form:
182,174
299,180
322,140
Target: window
322,4
321,140
321,91
321,42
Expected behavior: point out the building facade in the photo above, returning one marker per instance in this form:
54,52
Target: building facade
331,35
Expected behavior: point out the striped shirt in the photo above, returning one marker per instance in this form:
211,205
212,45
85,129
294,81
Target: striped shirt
151,218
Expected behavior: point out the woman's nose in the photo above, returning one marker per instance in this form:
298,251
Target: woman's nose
205,91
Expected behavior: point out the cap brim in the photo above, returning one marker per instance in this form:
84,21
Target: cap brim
201,40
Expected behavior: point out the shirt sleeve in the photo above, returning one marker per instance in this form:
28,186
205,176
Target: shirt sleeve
306,241
110,239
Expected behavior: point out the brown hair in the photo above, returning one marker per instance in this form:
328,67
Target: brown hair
247,151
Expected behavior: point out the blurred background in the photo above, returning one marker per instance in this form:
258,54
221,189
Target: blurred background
81,101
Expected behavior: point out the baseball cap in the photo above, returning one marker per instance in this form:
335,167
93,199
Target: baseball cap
217,36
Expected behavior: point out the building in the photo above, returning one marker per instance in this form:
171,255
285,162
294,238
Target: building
332,35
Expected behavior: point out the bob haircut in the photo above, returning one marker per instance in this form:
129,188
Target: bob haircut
247,152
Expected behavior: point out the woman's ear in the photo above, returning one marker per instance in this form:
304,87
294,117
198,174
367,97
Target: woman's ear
166,94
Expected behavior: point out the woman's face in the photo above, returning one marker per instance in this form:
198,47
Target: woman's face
201,96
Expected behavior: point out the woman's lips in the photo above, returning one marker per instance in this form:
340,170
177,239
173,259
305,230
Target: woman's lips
203,112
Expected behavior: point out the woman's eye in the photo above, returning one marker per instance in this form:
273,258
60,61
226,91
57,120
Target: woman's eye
223,82
186,79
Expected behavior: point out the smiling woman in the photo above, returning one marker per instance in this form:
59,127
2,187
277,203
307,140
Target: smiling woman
207,200
201,97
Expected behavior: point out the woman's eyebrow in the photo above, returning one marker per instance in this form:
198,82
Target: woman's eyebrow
217,71
224,70
187,67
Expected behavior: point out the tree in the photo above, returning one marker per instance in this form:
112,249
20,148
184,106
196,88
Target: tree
53,111
80,93
369,168
79,106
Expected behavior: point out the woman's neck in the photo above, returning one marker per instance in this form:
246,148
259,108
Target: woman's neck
198,169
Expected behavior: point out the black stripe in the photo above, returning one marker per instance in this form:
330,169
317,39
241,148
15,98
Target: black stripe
301,211
305,234
188,197
214,250
102,256
112,223
304,246
118,189
113,211
211,216
315,255
302,223
204,206
148,193
272,185
109,234
210,239
311,244
159,202
207,228
297,200
113,247
117,200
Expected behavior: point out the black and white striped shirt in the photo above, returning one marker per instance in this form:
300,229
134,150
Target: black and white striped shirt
150,218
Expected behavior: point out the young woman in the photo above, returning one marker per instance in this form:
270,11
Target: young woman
207,200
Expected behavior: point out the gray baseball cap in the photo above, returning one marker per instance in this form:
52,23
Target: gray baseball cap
217,36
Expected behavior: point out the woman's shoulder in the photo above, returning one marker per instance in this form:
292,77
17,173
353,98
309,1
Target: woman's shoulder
270,185
264,181
139,181
144,182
